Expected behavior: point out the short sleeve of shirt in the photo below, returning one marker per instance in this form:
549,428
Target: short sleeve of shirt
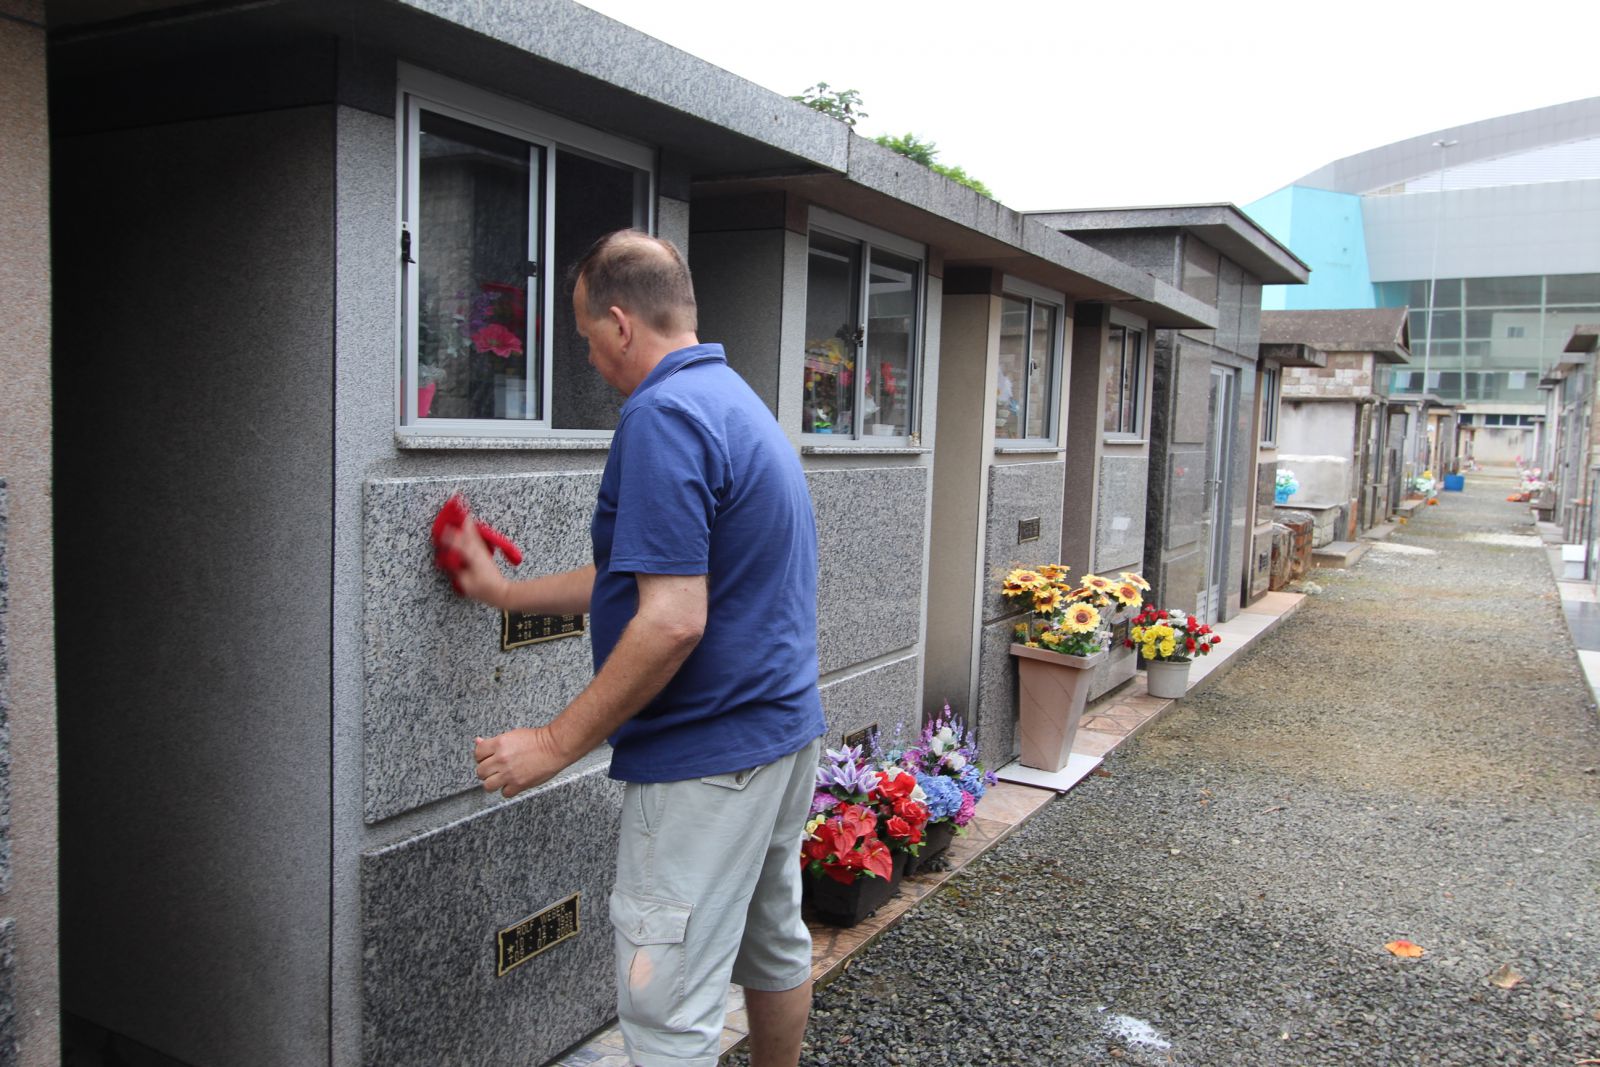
671,474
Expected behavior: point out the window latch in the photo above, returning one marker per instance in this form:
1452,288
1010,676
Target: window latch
530,268
405,246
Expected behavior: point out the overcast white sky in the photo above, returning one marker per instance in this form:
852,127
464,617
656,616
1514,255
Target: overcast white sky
1072,104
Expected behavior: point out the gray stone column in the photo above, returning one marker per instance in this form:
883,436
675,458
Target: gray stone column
29,974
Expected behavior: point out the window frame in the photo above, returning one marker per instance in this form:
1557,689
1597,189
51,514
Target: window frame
867,237
420,90
1129,324
1020,289
1271,399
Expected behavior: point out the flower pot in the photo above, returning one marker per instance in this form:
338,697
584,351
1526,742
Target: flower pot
838,904
1166,678
935,841
1051,689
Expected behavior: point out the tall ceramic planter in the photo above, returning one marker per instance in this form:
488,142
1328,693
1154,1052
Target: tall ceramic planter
1166,679
1051,689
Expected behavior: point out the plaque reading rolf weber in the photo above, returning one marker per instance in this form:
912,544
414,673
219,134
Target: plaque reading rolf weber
518,944
517,629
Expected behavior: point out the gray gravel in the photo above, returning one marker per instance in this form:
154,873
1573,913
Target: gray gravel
1412,755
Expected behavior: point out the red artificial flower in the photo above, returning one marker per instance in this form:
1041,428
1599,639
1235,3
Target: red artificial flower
898,787
1193,622
914,811
877,858
899,828
1188,644
497,339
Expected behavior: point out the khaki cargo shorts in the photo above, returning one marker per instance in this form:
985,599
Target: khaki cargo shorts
708,892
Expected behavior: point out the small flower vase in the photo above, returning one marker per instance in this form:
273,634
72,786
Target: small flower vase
1166,678
838,904
935,841
1051,691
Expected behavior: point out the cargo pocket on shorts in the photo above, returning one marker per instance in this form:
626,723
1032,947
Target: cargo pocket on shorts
650,957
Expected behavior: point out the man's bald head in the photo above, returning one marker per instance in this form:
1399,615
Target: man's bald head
644,276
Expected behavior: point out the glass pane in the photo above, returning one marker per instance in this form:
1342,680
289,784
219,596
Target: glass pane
1572,289
1392,294
1111,373
1446,293
1494,292
892,288
474,359
1041,370
1010,386
593,198
1446,325
1133,389
833,324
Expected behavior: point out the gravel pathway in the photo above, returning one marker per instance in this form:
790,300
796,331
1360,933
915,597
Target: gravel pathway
1412,755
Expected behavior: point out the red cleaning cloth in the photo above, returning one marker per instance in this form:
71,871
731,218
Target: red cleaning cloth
453,516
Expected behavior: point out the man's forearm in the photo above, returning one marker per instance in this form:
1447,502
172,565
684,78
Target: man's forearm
567,593
644,660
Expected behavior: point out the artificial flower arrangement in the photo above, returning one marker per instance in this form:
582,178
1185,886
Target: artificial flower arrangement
1286,485
1170,636
860,816
945,761
1065,617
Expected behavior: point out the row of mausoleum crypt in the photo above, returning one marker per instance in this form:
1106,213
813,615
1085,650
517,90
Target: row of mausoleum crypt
305,279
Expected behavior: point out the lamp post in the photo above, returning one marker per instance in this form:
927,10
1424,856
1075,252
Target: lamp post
1427,334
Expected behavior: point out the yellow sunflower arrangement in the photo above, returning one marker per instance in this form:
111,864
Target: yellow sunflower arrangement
1067,618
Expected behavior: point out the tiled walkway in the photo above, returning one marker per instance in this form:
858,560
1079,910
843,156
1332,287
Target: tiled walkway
1106,724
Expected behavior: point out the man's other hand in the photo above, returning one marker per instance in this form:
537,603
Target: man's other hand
517,760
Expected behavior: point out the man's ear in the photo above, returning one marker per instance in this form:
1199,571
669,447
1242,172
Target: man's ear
618,320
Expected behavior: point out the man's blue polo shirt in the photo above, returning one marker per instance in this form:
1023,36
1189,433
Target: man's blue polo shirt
701,480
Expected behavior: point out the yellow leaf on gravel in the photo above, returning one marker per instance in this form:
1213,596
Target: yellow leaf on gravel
1404,948
1505,976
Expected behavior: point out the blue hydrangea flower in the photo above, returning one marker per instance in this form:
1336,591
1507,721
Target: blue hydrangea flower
944,796
974,781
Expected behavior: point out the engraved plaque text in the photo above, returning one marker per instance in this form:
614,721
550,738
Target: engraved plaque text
517,629
516,945
1027,530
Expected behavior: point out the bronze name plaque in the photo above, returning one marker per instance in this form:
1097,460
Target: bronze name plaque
1119,633
516,945
861,737
517,629
1027,530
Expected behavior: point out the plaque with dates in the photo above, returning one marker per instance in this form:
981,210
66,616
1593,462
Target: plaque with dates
517,629
1119,633
516,945
1027,530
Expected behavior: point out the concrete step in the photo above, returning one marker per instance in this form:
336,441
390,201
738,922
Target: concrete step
1339,553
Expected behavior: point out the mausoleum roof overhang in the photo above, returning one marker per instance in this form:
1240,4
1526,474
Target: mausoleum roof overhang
712,129
1383,332
1294,355
1222,226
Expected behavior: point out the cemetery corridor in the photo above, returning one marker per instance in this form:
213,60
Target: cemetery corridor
1411,757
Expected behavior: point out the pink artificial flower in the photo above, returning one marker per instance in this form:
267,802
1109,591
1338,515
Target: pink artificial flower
497,339
968,807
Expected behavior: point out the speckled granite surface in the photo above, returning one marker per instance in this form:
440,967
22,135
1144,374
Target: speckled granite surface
431,908
870,539
1019,491
5,709
885,694
8,991
996,721
1119,536
435,676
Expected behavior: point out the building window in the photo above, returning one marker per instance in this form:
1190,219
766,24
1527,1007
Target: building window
1123,373
498,201
1030,356
863,310
1270,392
